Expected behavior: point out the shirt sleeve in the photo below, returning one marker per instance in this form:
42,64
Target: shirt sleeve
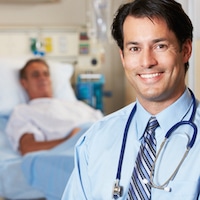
78,186
19,124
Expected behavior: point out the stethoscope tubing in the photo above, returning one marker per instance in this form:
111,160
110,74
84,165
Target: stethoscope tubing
173,128
118,176
189,146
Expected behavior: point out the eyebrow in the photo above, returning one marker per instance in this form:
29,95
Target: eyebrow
153,41
159,40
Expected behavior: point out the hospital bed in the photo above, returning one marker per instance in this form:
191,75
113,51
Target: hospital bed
43,173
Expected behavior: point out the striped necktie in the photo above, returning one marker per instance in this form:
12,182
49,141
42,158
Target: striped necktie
138,190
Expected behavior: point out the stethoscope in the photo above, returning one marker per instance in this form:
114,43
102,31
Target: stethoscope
118,190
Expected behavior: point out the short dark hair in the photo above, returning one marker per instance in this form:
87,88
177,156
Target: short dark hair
22,72
169,10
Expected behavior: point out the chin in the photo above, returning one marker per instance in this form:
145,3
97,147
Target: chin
152,95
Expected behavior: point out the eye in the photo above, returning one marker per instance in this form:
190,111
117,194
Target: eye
161,47
134,49
47,74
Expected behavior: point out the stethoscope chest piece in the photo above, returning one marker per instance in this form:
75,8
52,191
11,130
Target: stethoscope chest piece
117,190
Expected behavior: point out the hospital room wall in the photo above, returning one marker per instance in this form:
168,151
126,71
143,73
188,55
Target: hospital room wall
63,12
196,46
71,13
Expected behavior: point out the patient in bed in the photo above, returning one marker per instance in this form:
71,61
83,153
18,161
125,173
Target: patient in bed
44,122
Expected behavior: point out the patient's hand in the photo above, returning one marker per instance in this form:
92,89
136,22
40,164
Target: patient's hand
29,144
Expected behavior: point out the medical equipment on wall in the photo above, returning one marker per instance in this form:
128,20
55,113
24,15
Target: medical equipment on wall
118,190
88,76
37,47
89,88
90,57
91,49
98,19
55,43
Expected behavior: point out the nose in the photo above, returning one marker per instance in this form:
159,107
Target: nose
148,58
42,79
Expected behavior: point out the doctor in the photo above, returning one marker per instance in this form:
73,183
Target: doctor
155,44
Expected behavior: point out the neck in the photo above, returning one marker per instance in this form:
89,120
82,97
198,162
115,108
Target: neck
156,106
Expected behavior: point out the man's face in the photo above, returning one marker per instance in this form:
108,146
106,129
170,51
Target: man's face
37,82
153,60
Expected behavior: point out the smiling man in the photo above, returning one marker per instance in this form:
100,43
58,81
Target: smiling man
153,61
123,156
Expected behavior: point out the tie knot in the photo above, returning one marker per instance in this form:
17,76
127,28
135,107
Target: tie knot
152,124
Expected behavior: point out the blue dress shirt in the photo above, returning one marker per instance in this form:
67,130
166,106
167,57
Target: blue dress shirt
97,154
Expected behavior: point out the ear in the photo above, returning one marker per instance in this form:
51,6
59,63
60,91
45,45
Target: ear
187,50
23,83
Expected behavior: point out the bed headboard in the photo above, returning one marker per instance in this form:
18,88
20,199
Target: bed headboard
12,93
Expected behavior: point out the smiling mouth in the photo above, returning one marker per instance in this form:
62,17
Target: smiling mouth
147,76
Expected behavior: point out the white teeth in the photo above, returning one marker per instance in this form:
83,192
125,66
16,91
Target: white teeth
149,75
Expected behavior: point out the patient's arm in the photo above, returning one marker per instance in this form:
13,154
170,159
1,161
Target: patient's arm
29,144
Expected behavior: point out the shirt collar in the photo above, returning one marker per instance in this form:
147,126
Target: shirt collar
166,118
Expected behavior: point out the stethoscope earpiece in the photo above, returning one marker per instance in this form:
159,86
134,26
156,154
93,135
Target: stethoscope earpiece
167,189
145,181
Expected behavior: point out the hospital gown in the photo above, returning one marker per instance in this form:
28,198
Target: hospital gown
48,119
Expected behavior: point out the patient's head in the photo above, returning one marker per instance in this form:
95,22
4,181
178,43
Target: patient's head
35,78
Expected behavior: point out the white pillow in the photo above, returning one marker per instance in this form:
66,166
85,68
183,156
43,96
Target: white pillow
12,93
